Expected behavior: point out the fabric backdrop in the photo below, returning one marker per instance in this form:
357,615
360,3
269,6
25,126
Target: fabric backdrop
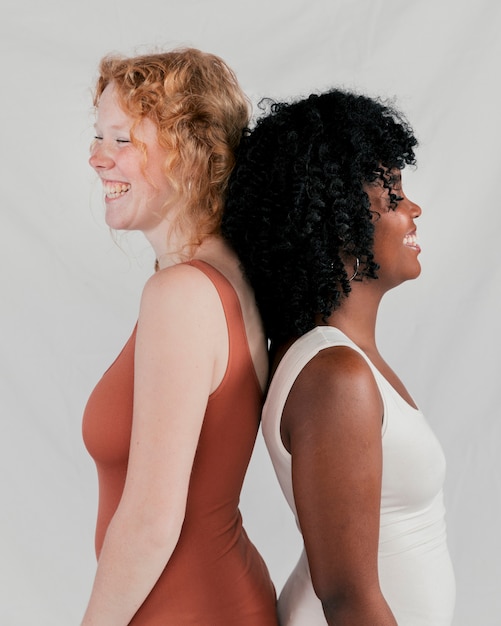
70,290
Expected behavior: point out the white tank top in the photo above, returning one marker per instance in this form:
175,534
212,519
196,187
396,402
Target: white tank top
415,570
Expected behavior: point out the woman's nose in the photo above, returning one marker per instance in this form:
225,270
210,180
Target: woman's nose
100,158
414,209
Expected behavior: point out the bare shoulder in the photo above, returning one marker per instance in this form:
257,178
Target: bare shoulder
181,280
182,327
335,390
334,417
182,300
180,305
338,370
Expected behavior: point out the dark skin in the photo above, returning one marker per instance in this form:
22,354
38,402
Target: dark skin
331,425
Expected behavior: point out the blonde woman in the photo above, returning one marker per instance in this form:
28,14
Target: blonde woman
172,423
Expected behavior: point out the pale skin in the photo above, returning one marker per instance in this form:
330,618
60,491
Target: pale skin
331,425
175,345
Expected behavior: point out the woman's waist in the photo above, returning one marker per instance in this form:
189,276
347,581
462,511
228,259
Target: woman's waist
402,531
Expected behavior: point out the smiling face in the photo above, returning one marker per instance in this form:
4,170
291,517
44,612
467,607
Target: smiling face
135,187
396,248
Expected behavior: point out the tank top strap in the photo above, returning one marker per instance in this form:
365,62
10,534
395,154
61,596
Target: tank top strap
238,345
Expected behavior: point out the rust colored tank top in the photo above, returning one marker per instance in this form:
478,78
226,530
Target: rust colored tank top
215,576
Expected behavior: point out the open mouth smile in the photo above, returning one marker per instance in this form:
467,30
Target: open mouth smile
115,190
411,241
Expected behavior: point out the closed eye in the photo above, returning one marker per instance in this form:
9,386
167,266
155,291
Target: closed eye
394,178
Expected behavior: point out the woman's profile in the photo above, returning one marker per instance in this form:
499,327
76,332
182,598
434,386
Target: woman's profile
318,215
172,423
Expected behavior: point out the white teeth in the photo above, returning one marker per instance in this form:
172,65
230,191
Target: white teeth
410,240
115,190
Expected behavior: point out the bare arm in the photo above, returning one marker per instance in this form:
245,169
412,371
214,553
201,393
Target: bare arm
181,354
332,427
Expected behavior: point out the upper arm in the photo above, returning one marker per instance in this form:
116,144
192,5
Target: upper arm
180,346
332,420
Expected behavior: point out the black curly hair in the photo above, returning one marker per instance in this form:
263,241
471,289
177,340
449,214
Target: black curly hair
297,211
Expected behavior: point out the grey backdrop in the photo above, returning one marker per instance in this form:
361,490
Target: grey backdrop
69,292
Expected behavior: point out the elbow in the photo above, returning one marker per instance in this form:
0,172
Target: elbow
335,591
346,605
160,534
160,529
336,605
153,532
334,602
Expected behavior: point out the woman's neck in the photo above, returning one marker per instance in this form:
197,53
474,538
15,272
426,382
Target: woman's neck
211,249
357,314
172,247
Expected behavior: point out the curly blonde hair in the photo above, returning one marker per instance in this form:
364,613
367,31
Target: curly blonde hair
200,112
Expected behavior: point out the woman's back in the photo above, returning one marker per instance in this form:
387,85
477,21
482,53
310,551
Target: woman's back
215,575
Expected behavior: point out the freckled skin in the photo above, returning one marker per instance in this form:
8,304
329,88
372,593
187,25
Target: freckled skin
117,160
